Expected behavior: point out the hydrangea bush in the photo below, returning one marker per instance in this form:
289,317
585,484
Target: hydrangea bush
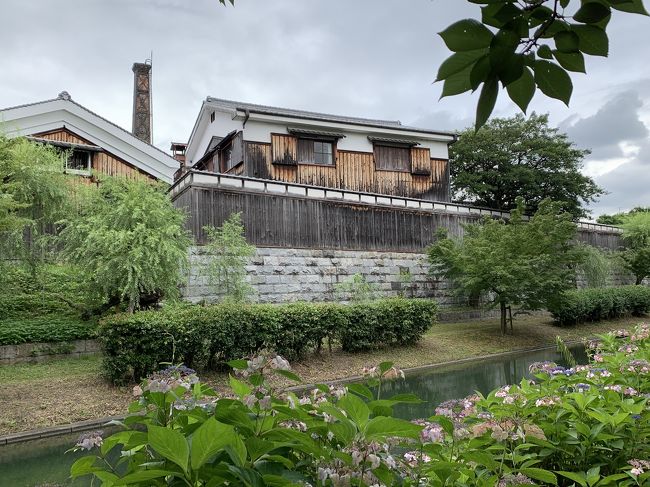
586,426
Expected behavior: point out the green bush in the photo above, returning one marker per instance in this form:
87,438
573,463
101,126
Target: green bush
204,337
387,322
596,304
53,289
45,329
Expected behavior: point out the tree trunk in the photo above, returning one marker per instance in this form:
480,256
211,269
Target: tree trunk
504,321
639,280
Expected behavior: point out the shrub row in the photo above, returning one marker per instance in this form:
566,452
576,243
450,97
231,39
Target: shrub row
206,336
596,304
45,329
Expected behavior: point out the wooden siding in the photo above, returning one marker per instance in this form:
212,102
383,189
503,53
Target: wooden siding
297,222
352,170
102,162
285,149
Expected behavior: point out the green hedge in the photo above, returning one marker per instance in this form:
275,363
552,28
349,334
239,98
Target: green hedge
206,336
596,304
45,329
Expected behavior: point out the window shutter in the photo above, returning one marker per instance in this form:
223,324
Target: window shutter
420,161
284,149
237,155
392,158
305,150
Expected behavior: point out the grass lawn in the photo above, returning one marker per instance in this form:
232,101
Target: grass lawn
68,390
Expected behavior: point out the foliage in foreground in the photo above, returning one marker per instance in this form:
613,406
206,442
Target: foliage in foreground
204,336
617,218
580,305
229,253
520,157
129,242
585,426
526,46
521,262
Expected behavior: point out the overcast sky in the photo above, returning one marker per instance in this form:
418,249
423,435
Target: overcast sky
371,58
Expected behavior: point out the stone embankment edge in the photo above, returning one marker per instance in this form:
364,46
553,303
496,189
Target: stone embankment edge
91,424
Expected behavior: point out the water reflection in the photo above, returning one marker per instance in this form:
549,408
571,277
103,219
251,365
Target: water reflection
442,383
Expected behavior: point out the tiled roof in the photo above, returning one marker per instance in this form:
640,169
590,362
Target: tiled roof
325,117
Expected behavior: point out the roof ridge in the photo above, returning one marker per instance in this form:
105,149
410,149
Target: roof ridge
311,112
92,113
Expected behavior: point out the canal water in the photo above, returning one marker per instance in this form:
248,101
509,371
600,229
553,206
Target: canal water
44,462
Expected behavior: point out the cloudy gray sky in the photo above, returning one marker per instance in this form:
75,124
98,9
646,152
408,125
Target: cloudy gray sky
374,58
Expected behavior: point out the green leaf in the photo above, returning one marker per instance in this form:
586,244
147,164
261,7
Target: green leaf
83,466
466,35
457,62
361,390
567,41
540,474
633,7
522,90
357,410
553,81
486,102
591,13
288,374
384,367
238,364
545,52
142,475
593,40
170,444
579,478
480,72
383,427
571,61
457,83
208,439
238,387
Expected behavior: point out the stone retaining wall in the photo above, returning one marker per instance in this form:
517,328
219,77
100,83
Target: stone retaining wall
281,275
40,352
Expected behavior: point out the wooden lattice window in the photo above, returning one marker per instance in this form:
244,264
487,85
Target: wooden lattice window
393,157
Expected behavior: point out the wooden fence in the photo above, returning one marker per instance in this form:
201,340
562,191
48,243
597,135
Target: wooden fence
289,215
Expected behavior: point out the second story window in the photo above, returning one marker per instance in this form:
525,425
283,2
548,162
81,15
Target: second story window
313,151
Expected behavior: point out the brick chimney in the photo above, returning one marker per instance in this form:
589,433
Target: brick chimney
142,112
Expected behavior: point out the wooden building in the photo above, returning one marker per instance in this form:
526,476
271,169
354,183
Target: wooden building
294,146
96,145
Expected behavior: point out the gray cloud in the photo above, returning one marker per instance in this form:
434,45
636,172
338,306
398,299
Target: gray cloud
365,58
615,122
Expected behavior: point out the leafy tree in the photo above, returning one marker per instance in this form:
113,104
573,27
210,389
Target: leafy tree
521,262
525,46
618,218
595,266
636,233
229,253
518,156
34,195
129,241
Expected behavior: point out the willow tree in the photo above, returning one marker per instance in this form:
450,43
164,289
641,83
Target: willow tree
129,241
516,262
